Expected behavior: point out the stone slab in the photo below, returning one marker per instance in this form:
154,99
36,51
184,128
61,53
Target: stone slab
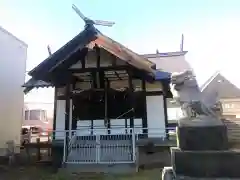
202,137
206,163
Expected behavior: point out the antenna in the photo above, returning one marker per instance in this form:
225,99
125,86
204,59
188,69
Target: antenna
90,22
49,50
182,42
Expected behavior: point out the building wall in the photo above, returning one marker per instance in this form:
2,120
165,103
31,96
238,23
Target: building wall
13,55
155,116
231,116
171,63
231,106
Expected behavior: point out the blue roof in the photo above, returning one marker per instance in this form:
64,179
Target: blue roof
161,75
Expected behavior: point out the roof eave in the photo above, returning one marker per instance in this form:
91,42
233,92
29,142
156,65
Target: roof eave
90,32
206,84
166,54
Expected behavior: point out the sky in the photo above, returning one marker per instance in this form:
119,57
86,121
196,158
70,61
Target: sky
211,30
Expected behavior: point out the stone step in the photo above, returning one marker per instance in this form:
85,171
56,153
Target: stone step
100,168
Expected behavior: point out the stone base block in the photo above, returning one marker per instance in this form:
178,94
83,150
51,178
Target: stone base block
206,163
202,137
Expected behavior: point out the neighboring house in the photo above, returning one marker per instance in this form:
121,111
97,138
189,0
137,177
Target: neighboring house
218,88
38,114
13,55
171,62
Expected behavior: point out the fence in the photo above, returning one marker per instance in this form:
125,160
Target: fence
114,148
99,145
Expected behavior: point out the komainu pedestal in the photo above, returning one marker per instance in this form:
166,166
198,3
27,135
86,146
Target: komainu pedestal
199,135
202,143
202,151
205,164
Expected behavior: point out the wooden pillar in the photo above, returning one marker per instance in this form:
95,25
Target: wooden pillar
131,95
165,115
55,112
126,126
144,118
74,119
165,85
98,64
106,117
67,106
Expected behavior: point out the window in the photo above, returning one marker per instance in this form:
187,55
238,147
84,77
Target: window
36,114
26,115
35,130
229,106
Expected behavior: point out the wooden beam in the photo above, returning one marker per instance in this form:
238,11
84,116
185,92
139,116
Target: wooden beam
114,64
94,69
71,59
154,93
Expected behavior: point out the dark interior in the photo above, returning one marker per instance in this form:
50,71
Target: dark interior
90,105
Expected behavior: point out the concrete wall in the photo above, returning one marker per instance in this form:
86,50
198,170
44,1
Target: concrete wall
13,55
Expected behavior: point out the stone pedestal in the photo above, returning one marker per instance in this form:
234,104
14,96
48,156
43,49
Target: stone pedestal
202,151
206,163
197,137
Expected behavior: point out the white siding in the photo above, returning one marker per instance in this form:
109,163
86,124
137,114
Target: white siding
60,118
118,126
13,55
155,116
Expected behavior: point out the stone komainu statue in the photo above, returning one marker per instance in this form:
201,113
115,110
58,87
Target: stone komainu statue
187,94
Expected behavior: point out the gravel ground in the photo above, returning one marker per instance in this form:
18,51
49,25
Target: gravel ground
40,173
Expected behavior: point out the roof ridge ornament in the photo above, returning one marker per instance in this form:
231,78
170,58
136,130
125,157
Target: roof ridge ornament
90,22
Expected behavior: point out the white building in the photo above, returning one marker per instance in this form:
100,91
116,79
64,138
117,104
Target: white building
13,55
38,114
